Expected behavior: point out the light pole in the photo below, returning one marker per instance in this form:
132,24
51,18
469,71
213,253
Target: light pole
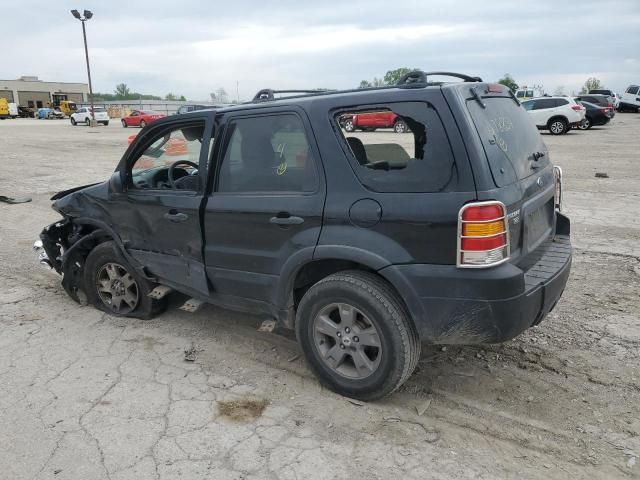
87,16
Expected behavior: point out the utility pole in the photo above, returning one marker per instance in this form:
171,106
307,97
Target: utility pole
87,15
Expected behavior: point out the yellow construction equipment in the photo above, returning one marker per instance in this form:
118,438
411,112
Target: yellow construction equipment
65,106
4,108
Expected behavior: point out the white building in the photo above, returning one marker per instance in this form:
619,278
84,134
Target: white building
31,92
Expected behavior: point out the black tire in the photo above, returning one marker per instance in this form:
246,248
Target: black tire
73,122
143,124
124,124
375,299
400,127
105,123
87,121
586,124
558,126
97,262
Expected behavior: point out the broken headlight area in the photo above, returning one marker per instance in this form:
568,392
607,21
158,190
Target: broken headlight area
64,246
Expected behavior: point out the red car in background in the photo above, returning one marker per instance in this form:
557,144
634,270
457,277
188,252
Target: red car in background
369,121
140,118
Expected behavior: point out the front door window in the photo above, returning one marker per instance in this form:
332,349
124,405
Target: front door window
171,160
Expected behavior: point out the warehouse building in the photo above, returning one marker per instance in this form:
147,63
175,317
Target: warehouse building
31,92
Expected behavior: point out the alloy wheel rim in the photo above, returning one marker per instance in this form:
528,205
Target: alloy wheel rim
557,127
347,341
400,128
117,288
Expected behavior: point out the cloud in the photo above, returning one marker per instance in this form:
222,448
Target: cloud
194,47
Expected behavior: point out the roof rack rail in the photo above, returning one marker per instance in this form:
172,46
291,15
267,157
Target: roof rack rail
418,78
267,94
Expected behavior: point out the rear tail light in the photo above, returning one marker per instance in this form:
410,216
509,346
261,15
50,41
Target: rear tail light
483,236
577,108
557,174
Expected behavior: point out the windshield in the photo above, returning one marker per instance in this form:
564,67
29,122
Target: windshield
509,137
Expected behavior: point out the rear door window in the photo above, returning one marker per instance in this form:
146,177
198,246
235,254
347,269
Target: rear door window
510,138
410,152
544,103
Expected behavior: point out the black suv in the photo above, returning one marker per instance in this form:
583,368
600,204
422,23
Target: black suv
367,245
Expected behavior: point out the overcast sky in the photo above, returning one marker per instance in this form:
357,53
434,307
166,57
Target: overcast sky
193,47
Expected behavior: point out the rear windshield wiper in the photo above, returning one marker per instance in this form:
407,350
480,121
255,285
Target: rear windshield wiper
476,97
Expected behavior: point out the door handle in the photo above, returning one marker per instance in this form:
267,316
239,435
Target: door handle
175,216
286,220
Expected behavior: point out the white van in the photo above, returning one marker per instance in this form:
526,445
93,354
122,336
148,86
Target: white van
630,99
13,110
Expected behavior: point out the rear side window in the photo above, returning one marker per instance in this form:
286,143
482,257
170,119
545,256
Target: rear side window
633,90
509,137
399,147
561,101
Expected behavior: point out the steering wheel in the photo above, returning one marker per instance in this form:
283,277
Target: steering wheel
173,167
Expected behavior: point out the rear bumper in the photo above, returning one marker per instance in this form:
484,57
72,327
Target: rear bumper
459,306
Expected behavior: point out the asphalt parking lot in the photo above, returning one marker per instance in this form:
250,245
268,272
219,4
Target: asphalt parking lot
84,395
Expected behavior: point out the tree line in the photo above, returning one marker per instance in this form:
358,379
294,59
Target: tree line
123,92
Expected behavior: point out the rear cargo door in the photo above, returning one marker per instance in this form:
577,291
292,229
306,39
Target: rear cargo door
520,165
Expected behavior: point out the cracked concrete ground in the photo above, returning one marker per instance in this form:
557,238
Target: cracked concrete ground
84,395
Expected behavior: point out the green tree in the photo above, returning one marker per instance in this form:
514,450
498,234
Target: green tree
122,91
592,83
392,76
182,98
364,84
508,81
170,96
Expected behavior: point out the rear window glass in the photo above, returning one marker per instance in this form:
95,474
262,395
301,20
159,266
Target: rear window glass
510,138
399,147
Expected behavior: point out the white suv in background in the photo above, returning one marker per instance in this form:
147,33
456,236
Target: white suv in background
556,114
83,115
630,99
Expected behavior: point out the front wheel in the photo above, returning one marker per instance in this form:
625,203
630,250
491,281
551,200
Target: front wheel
113,286
105,123
348,125
400,127
143,124
73,122
585,124
558,126
356,335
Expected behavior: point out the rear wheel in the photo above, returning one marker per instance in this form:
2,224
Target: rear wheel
105,123
124,124
557,126
356,335
113,286
143,124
